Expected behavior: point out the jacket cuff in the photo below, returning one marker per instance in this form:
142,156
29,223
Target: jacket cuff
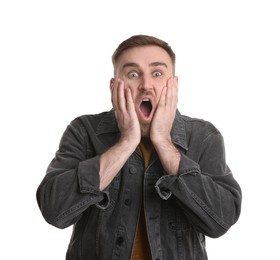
163,185
88,175
104,202
188,166
89,181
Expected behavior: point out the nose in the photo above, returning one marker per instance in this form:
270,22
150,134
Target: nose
146,83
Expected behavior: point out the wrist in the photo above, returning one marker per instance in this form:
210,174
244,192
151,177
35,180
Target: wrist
128,143
161,141
168,154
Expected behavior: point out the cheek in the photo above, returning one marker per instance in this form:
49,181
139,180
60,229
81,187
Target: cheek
133,85
133,90
159,89
130,83
135,97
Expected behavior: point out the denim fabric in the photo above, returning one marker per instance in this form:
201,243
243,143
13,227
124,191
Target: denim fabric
203,200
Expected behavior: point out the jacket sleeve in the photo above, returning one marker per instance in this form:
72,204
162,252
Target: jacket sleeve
71,183
206,190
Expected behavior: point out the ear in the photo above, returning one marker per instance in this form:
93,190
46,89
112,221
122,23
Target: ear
112,82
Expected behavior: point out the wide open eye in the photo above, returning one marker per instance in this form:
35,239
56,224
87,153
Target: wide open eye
157,74
133,74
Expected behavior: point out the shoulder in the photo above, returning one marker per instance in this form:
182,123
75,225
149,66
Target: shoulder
100,122
198,129
200,133
87,118
198,126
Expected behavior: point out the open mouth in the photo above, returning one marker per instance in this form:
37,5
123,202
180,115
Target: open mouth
146,107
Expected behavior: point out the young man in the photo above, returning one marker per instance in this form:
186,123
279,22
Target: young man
141,181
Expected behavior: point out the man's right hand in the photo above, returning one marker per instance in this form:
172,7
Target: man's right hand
125,113
113,159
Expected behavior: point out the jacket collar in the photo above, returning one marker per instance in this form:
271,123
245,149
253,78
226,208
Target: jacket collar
108,124
178,132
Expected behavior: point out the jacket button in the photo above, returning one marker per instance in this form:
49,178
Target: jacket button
132,170
120,240
127,202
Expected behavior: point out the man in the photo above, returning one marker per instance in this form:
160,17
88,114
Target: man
141,181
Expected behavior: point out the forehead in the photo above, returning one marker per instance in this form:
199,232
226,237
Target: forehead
144,55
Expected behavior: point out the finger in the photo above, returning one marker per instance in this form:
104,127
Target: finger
169,93
175,91
162,100
172,95
118,96
121,97
129,100
113,95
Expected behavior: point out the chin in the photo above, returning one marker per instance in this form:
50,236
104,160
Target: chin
145,130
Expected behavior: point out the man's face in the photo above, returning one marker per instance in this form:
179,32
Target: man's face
145,70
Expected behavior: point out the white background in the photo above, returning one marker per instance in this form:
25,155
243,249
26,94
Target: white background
55,65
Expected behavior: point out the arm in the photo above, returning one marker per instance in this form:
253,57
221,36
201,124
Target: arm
73,182
205,189
113,160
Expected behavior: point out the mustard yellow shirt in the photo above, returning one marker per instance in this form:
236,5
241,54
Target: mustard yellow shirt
141,249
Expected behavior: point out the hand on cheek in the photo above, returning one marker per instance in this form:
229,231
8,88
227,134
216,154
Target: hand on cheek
125,112
165,113
162,125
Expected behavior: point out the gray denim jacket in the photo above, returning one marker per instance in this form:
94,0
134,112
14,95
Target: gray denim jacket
204,199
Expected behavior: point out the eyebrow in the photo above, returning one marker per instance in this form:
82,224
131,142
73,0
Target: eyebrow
153,64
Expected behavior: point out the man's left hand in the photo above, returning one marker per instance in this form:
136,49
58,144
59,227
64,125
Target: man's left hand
160,133
165,113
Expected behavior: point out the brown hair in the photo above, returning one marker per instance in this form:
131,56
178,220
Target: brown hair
142,40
